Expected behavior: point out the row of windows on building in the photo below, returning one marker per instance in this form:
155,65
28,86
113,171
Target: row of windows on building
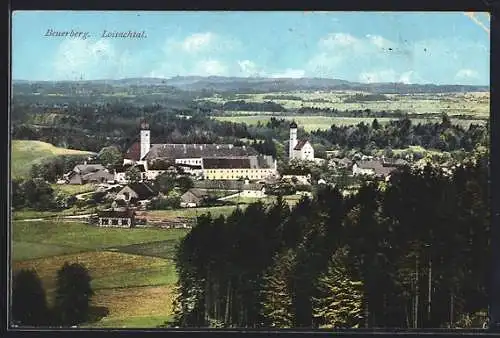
233,177
189,161
115,221
246,171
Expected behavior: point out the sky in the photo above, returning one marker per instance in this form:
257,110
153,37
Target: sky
416,47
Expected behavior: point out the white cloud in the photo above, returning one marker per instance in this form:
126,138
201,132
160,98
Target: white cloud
380,41
336,40
324,64
249,68
290,73
75,58
407,77
206,42
340,52
209,67
197,41
390,75
466,74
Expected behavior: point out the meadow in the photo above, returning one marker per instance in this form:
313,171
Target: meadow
472,103
215,211
73,189
24,153
311,123
132,270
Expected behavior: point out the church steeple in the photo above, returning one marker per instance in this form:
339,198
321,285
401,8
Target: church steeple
293,139
145,139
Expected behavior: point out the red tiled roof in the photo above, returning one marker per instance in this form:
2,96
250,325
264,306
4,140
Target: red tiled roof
300,145
134,152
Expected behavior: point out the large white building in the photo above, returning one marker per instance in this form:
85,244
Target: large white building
299,149
210,161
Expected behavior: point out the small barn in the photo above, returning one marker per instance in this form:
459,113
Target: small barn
89,173
193,198
117,218
140,192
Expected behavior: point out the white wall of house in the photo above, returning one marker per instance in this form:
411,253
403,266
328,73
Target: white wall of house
306,153
120,177
121,222
356,170
152,174
301,179
253,193
188,205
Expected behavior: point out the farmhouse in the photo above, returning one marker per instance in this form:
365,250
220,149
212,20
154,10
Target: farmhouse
140,192
299,149
120,172
193,198
253,190
115,218
89,173
372,168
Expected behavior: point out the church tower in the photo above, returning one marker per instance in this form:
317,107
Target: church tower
145,139
293,139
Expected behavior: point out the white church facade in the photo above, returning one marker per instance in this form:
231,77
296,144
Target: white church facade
299,149
208,161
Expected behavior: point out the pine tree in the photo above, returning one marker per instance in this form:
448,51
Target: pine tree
277,307
73,294
340,300
29,305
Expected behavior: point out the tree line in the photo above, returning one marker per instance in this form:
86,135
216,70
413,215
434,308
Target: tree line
411,252
402,133
118,125
71,305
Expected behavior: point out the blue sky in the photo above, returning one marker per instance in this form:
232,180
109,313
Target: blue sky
440,48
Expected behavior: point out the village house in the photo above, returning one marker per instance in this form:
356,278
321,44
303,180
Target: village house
341,163
136,192
372,168
304,179
116,218
89,173
120,172
194,198
257,190
244,188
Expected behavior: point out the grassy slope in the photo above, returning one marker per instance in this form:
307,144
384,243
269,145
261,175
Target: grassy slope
83,236
26,152
132,269
190,212
73,189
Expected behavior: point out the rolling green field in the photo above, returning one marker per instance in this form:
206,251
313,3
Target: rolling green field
290,199
31,214
73,189
132,271
26,152
310,123
450,103
192,212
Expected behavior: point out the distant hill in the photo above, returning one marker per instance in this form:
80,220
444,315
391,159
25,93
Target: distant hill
27,152
257,85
